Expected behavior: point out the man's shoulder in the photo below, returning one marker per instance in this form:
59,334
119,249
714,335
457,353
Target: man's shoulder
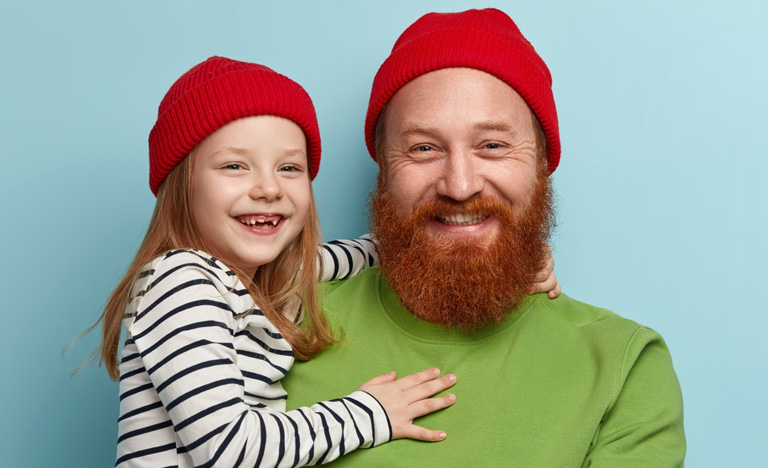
599,326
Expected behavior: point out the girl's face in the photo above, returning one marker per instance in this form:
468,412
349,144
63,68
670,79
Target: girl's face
251,190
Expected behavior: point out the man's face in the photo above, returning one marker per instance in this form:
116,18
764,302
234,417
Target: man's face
456,134
462,210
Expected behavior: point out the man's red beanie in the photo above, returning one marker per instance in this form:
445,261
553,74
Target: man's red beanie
486,40
213,94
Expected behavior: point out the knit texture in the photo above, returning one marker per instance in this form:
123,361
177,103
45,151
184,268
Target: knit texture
213,94
486,40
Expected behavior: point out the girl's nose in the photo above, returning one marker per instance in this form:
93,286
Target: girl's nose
266,187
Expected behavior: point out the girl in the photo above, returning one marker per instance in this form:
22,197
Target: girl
232,154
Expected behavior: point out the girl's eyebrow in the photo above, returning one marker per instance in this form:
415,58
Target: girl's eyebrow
296,152
244,151
230,150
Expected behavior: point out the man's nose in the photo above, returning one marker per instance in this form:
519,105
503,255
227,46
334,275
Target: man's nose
265,187
460,179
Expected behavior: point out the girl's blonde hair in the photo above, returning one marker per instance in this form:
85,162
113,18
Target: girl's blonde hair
274,287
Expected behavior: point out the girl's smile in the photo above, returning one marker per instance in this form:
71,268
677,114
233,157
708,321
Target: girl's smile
260,223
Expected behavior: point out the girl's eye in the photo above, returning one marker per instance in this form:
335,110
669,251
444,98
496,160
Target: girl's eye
290,168
233,166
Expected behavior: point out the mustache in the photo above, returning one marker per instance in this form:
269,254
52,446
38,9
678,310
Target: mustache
477,205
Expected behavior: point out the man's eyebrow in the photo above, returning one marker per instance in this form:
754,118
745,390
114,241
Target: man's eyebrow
493,125
487,125
416,129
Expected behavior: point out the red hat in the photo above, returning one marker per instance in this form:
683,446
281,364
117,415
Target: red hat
486,40
213,94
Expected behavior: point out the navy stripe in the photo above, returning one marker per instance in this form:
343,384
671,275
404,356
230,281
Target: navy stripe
360,438
192,370
145,452
262,440
281,443
173,270
180,330
369,412
184,349
136,390
201,389
183,307
263,345
191,446
143,409
130,374
210,410
296,441
342,447
261,357
327,434
145,430
241,457
312,436
335,262
225,443
259,377
266,398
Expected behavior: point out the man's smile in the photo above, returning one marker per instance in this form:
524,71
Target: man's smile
462,219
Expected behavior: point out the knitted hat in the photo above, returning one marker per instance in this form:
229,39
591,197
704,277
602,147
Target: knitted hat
486,40
213,94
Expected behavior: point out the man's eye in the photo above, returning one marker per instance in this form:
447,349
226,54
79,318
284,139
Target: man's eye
492,146
423,148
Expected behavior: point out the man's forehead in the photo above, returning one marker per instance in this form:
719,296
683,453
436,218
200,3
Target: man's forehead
456,97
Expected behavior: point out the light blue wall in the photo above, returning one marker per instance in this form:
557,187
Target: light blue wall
662,186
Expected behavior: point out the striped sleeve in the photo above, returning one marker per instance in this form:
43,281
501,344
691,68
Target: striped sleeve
184,331
342,259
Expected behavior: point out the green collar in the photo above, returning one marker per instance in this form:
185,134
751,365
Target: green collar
421,330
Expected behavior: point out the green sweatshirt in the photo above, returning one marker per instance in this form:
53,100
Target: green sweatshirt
559,384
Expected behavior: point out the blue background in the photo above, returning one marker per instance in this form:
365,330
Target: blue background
662,186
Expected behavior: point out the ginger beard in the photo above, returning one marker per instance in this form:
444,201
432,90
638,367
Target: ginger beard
462,283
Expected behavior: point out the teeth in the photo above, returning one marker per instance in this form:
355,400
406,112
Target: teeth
462,219
259,221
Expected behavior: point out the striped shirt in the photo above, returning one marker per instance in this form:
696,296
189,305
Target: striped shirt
200,385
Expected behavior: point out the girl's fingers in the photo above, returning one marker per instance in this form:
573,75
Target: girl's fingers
420,433
380,379
418,378
430,405
429,388
547,285
554,292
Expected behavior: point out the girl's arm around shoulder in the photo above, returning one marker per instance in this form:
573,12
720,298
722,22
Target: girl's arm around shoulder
342,259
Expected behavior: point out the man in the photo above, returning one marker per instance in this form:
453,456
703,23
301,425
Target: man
463,125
